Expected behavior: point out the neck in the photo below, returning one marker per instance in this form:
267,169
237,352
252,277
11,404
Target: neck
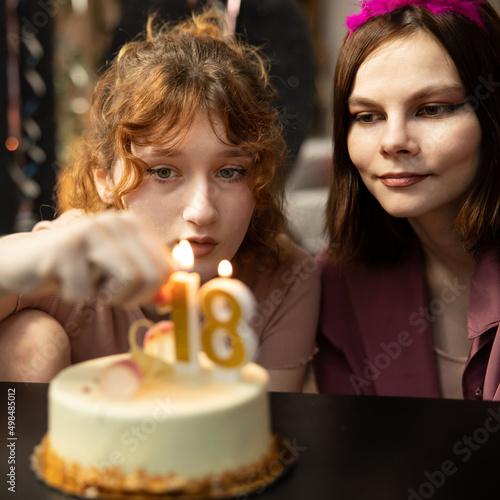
446,261
441,245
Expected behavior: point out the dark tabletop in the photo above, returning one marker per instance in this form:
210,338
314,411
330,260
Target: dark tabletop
347,447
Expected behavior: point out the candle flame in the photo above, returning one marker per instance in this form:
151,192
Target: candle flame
225,268
183,255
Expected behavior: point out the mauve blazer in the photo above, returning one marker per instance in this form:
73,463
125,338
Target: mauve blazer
375,336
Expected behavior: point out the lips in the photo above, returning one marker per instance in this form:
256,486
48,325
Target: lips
202,246
401,180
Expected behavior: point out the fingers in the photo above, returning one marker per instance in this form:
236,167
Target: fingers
75,279
132,261
111,257
148,266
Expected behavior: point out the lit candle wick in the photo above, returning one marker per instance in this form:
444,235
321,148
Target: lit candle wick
183,255
225,269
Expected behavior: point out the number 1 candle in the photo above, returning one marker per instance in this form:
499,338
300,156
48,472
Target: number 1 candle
184,288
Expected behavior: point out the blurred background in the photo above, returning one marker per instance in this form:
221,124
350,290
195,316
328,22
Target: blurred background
52,52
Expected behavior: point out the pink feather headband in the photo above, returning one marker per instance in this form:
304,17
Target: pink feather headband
371,8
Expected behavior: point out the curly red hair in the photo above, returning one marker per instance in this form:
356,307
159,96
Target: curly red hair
154,87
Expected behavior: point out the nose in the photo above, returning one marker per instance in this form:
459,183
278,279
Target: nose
200,207
398,139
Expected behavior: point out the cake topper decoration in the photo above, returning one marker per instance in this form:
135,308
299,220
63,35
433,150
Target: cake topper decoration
372,8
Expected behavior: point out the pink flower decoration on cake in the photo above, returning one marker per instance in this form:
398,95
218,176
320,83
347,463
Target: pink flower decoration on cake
371,8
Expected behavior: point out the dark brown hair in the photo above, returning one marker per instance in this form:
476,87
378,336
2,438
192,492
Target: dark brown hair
151,93
360,230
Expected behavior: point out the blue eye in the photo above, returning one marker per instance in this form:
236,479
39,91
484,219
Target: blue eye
231,173
161,173
164,173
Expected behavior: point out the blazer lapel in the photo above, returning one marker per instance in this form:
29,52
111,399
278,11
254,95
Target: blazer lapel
390,305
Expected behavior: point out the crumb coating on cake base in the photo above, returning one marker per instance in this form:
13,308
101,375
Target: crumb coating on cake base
112,483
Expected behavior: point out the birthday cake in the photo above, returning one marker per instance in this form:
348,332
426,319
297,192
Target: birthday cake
183,415
177,434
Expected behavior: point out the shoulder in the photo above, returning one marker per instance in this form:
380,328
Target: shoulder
296,269
292,254
335,278
286,315
333,274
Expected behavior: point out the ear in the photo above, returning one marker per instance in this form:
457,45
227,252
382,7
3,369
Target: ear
104,185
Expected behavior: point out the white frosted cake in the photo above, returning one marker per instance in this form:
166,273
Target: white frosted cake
174,434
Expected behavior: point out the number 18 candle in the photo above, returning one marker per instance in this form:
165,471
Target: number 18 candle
227,306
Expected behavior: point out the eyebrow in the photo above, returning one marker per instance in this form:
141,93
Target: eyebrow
421,94
172,153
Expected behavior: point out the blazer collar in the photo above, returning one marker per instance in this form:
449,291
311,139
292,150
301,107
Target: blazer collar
484,302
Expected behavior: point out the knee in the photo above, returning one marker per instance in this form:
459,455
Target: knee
33,347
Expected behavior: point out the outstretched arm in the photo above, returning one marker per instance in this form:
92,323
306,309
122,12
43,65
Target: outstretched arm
83,258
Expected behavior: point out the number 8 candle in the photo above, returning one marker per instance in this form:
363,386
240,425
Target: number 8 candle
227,306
